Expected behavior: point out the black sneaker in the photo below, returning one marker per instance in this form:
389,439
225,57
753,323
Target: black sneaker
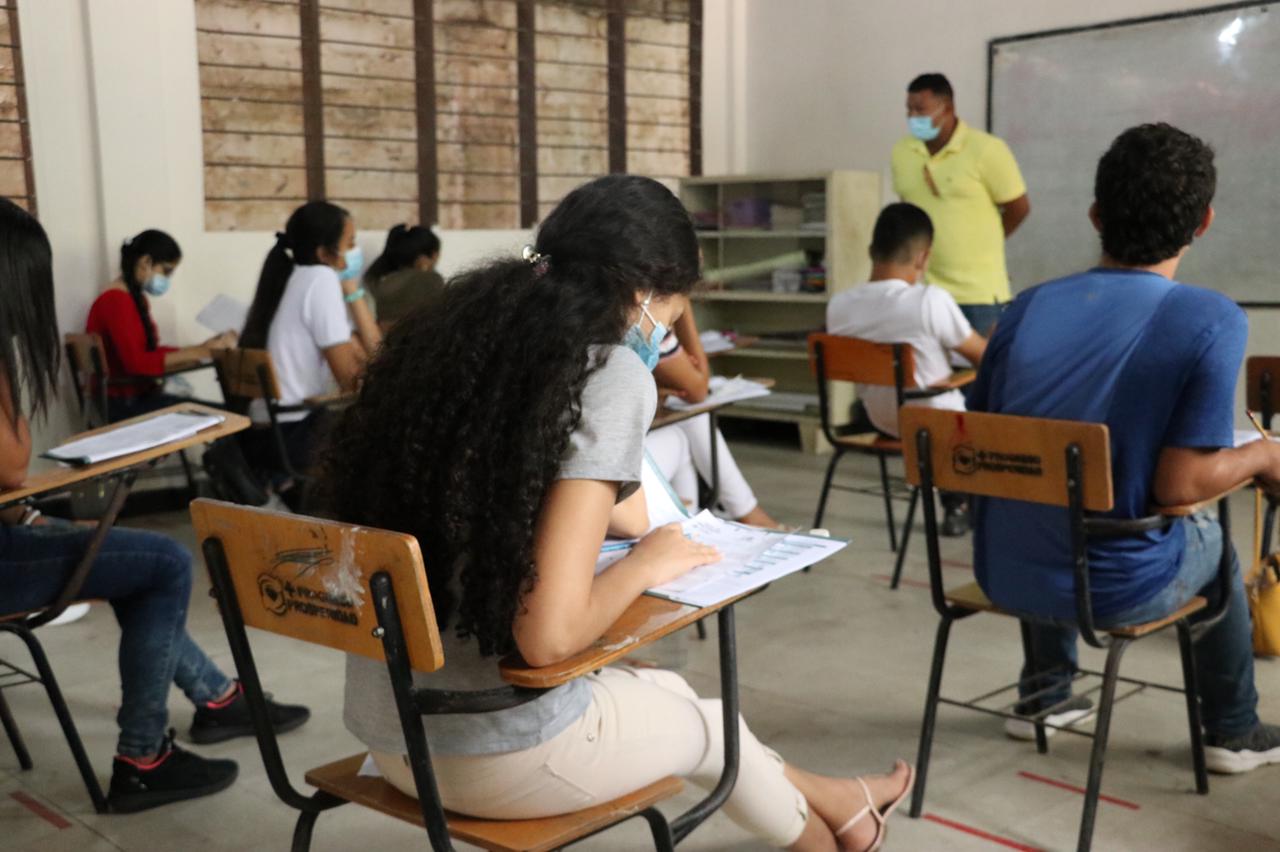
1234,755
174,776
213,724
956,521
1066,713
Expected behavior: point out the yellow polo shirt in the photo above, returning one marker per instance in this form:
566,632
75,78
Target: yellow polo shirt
966,181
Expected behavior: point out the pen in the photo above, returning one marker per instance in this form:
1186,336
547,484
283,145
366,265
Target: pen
618,545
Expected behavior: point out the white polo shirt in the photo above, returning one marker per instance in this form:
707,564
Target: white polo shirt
893,311
311,318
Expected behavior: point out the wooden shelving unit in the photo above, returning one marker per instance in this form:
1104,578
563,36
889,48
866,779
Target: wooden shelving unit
852,203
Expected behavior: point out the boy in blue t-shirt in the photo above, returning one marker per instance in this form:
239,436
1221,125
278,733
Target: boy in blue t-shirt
1126,345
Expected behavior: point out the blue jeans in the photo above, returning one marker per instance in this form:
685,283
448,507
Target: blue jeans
146,577
1224,654
983,317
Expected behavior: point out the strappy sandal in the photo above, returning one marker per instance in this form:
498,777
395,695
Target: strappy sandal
881,817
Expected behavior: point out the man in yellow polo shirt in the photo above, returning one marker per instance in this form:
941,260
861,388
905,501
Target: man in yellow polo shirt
969,184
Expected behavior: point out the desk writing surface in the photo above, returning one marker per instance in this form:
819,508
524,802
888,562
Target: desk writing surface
667,416
646,620
64,477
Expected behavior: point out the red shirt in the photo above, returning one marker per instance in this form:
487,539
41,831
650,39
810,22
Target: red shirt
114,318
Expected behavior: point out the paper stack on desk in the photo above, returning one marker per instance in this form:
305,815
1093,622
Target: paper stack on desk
134,437
723,392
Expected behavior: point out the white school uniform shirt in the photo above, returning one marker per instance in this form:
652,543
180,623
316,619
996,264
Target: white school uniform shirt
312,317
894,311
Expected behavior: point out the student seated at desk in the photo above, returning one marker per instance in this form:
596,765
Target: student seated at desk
894,308
310,313
505,430
121,316
404,275
1127,345
145,577
682,450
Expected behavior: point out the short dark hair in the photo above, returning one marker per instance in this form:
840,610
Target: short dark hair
932,82
899,230
1152,190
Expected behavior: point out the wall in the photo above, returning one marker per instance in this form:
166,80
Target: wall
821,84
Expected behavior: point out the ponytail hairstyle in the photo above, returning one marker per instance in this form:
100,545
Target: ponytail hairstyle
161,248
403,248
314,225
465,413
29,342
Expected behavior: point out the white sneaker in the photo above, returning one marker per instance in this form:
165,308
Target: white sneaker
1242,754
74,612
1071,710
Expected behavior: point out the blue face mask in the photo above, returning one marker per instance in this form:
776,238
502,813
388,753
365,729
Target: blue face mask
355,264
922,127
636,342
157,285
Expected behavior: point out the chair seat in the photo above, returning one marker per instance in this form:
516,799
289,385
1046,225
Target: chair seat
971,596
870,442
524,835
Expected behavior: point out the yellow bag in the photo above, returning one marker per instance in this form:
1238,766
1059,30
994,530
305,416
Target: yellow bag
1263,589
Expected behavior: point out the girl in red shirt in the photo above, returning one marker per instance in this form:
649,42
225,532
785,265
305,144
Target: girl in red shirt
121,316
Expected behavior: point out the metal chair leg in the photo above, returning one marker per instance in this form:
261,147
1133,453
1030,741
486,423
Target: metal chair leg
930,715
1192,688
302,831
702,629
1042,738
64,715
826,487
15,736
661,830
187,469
1102,728
888,501
906,537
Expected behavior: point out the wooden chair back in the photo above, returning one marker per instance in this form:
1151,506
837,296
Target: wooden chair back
308,578
87,358
246,374
1001,455
1262,385
852,359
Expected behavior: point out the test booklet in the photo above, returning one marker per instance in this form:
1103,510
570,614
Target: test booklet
751,557
723,392
223,313
134,437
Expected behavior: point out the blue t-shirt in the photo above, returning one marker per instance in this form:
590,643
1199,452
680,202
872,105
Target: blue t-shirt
1153,359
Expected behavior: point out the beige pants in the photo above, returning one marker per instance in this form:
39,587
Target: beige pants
642,725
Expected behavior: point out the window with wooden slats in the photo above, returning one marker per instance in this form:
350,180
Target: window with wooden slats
461,113
17,181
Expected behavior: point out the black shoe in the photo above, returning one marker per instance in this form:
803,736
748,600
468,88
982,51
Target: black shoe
213,725
1234,755
174,776
956,521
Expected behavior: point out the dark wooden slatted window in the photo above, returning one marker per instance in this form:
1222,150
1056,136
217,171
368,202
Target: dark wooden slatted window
462,113
17,182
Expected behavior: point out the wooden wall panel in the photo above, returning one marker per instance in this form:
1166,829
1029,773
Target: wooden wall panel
663,57
371,185
658,163
363,60
480,13
247,215
248,16
243,117
10,140
359,122
13,178
365,154
375,215
253,51
366,28
479,158
242,182
220,82
572,161
380,7
9,95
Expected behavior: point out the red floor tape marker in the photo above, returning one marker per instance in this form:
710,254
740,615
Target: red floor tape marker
40,810
1052,782
952,563
985,835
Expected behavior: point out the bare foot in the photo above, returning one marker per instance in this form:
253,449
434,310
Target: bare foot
884,789
758,517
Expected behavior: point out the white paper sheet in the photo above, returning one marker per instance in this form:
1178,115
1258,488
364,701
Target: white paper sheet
723,392
134,438
1248,436
223,313
714,341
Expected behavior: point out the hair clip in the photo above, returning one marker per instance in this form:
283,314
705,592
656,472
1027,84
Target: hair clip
539,261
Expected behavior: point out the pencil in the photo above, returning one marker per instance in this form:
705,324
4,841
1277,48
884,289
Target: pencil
1257,425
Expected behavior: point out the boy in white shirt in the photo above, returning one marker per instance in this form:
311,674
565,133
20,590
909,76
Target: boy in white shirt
892,308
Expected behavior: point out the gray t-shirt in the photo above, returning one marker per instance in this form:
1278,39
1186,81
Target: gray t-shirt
618,403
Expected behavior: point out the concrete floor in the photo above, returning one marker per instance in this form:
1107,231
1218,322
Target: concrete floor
833,670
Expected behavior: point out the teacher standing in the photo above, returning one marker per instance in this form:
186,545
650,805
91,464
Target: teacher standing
969,184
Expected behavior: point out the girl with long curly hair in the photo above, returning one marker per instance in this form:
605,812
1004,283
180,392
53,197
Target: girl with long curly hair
503,425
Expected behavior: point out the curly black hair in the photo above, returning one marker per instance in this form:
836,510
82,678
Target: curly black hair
1153,187
465,413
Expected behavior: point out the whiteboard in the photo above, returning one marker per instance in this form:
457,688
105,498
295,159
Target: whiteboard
1060,98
